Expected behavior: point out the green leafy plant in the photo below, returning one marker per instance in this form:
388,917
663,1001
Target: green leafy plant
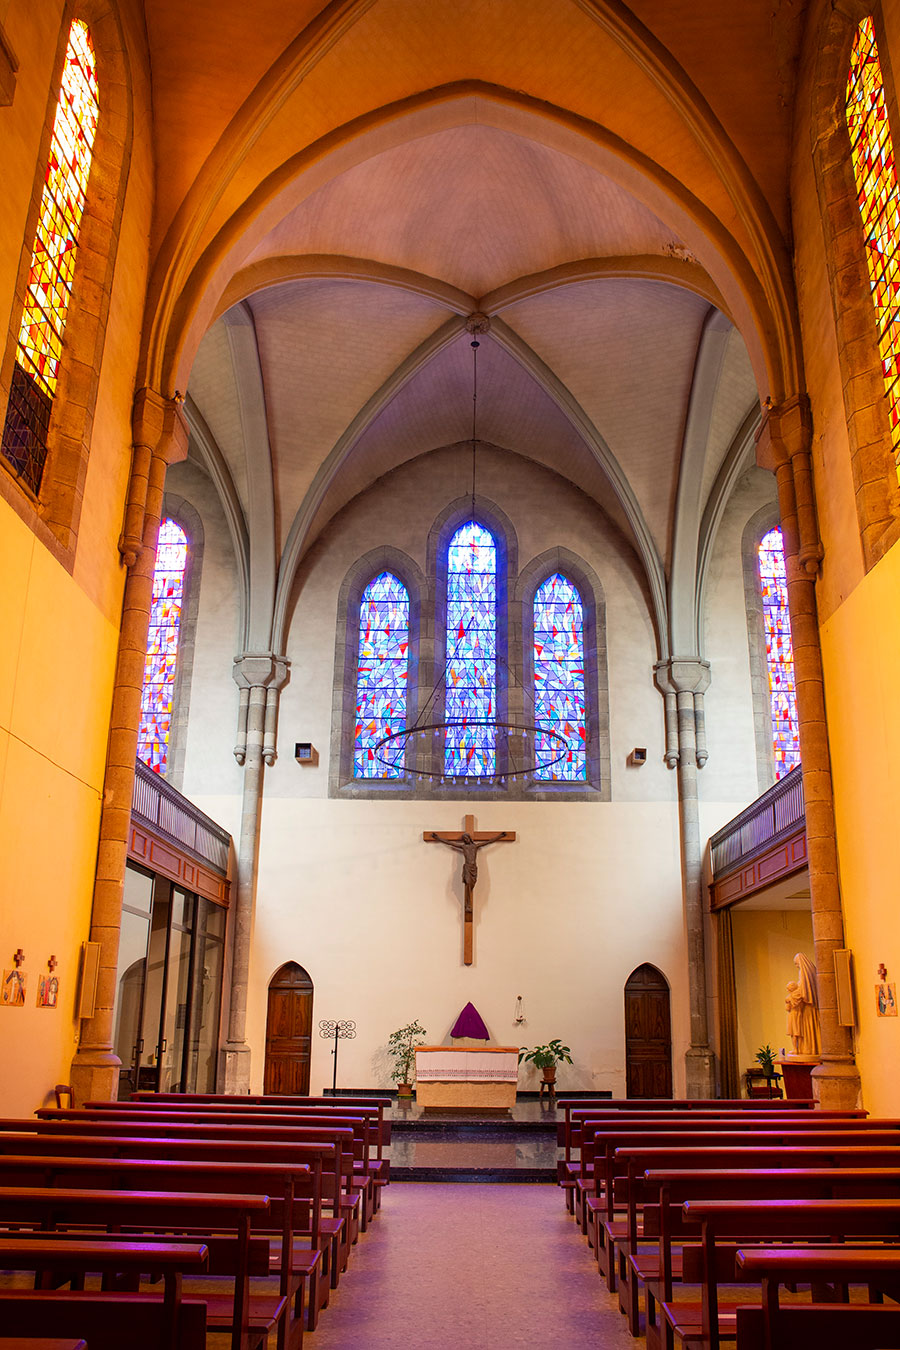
545,1056
765,1058
402,1049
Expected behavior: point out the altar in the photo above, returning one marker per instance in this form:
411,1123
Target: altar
467,1077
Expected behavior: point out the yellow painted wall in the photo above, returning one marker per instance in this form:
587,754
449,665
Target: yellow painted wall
55,688
765,943
861,654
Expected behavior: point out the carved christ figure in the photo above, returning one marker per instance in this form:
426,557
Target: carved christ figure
468,842
468,847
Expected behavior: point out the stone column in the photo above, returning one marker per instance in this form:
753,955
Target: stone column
259,676
160,438
683,681
783,442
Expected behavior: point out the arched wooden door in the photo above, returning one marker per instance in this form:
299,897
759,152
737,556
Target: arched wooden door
289,1031
648,1034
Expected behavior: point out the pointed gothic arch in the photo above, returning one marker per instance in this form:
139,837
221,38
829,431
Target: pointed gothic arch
648,1034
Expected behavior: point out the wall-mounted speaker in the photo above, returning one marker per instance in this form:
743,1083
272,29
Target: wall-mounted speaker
90,972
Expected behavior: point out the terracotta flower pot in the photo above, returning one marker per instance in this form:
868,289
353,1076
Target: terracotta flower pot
404,1089
550,1073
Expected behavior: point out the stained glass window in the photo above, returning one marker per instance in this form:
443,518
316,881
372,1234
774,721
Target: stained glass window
872,154
779,653
471,679
381,676
559,680
52,267
162,646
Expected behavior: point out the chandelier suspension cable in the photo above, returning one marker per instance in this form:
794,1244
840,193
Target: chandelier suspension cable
417,750
475,345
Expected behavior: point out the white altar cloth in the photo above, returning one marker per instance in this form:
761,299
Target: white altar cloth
465,1077
449,1064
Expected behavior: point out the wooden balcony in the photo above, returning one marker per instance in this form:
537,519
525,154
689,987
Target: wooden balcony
765,842
172,836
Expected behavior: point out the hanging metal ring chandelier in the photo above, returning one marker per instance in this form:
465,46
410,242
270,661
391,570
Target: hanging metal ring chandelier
431,746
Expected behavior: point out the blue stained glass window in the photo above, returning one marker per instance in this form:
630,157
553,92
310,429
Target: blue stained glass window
158,692
559,701
779,653
381,676
470,748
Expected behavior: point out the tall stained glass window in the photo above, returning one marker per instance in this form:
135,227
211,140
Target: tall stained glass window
381,675
470,747
779,653
166,605
559,702
874,170
49,286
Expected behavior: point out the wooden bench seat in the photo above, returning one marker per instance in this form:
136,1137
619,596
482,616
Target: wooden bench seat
173,1212
725,1222
832,1326
70,1259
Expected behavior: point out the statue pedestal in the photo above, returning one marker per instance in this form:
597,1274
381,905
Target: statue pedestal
797,1073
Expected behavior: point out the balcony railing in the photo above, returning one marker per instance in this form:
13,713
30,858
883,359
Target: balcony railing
779,811
164,809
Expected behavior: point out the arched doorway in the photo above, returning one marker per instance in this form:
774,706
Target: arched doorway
648,1034
288,1031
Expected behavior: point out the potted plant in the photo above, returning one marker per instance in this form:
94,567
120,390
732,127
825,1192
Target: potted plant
765,1058
546,1057
402,1049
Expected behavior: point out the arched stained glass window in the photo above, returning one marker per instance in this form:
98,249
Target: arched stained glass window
49,286
875,173
166,606
470,748
779,653
559,699
382,673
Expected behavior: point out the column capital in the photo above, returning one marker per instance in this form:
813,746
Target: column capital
785,431
160,424
682,675
260,670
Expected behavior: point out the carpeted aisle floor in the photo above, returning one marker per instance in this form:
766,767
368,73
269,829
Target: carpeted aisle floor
470,1267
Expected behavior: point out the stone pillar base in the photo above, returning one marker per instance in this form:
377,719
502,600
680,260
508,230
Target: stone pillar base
700,1072
234,1070
836,1085
94,1076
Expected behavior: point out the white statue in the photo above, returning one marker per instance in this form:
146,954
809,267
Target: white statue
802,1004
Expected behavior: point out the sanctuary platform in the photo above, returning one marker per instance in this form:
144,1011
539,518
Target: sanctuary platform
518,1147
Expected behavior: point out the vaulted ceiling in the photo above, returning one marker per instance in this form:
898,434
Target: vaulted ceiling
335,298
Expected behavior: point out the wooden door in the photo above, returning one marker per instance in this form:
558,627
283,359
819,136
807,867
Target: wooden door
289,1031
648,1034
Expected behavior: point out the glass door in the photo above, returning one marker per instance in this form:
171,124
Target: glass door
131,974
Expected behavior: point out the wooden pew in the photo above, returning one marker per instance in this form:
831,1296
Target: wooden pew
249,1319
324,1235
343,1198
363,1178
44,1343
664,1192
70,1258
350,1203
570,1134
611,1228
739,1221
589,1175
830,1326
293,1195
374,1107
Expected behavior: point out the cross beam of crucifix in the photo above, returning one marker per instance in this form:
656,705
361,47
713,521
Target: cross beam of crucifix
467,842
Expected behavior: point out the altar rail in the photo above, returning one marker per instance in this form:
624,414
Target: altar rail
777,813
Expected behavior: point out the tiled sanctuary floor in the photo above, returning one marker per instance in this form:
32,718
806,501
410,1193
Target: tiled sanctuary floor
472,1267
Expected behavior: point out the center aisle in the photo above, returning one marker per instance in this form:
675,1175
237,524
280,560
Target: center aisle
472,1267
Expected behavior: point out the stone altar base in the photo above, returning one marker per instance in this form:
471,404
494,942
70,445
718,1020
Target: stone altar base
463,1096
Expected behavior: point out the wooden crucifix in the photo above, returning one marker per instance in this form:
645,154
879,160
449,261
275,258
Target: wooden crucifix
467,842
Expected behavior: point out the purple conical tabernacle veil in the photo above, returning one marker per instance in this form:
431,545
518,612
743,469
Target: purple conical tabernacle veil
469,1024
